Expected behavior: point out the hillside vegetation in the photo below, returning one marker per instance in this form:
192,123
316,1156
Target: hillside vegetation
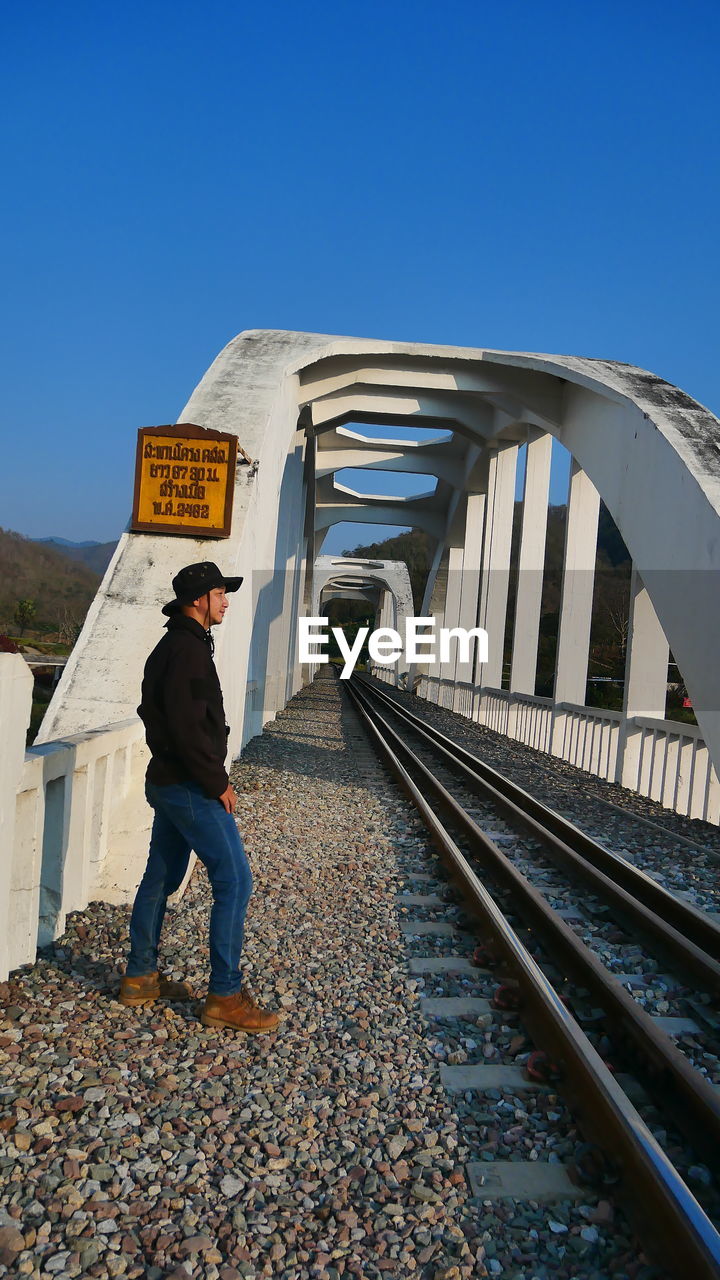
61,587
415,548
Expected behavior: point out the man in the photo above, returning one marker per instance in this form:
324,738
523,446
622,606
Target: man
189,789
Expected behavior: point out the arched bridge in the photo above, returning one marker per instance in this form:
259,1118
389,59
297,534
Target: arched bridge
308,407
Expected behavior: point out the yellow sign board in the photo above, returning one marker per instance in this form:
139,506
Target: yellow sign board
184,481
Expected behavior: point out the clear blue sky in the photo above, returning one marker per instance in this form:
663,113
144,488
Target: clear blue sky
532,176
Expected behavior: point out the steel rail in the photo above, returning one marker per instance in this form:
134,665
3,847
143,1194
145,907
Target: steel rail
693,1102
671,1224
689,925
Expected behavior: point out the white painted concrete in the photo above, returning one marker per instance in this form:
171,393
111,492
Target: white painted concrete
245,391
16,684
531,561
646,674
496,560
453,598
578,581
73,819
464,694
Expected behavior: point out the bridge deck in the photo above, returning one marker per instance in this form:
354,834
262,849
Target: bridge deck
141,1143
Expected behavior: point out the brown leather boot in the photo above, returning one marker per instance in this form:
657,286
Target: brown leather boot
238,1011
152,986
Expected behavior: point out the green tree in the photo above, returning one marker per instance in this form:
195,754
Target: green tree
24,612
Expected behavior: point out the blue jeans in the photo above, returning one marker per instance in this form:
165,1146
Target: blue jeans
186,819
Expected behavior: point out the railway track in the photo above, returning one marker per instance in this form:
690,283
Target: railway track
673,1226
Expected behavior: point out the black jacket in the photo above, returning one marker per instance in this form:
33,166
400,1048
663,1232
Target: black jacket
182,709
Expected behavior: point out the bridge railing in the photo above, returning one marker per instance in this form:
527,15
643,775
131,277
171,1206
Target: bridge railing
531,720
662,759
388,675
73,819
670,762
588,737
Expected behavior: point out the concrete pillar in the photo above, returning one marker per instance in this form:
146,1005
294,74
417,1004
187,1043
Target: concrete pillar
419,668
646,668
577,596
300,590
470,596
284,590
496,561
299,673
531,562
391,672
386,619
451,618
16,686
433,606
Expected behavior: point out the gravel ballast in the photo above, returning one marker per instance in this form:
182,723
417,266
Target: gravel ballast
139,1143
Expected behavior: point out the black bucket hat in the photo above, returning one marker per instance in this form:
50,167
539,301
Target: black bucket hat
196,580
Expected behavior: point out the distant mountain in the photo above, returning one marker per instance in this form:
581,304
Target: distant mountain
96,555
60,584
68,542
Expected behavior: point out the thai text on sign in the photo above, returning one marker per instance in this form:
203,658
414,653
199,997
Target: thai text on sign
184,481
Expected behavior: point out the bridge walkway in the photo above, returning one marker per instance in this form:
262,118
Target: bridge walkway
139,1143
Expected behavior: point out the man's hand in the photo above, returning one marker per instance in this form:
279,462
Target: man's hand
228,799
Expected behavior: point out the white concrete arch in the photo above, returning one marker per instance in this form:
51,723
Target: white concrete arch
647,448
384,583
383,576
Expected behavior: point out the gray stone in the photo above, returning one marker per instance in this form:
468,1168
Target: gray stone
425,1194
230,1185
57,1262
